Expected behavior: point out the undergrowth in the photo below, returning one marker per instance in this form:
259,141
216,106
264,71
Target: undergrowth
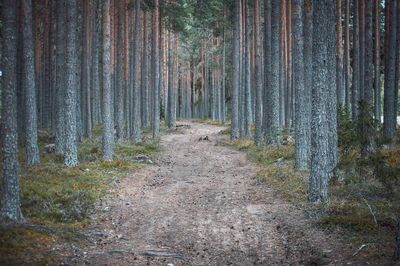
57,201
363,192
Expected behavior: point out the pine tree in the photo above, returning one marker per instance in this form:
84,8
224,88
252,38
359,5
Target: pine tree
155,72
136,126
272,125
302,121
29,86
108,130
390,99
320,157
10,207
71,153
258,73
235,74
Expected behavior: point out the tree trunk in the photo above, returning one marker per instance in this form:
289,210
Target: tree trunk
320,162
108,130
136,123
355,96
155,72
10,208
272,126
28,86
331,100
247,115
267,67
377,58
71,153
258,73
390,99
308,70
235,74
340,90
302,121
145,73
171,93
367,146
347,55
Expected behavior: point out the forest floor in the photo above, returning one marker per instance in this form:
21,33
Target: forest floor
199,204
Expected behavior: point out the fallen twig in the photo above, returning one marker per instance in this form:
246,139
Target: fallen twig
370,209
359,249
150,252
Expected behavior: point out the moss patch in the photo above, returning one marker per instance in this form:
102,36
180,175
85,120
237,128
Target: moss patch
57,201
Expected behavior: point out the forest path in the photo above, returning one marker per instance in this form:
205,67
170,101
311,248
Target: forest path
197,205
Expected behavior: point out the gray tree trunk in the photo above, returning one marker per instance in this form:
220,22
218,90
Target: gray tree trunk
267,66
235,74
390,100
119,91
331,101
340,90
347,56
223,79
10,208
60,78
355,95
320,157
71,153
28,86
247,79
145,72
136,123
171,91
302,112
155,72
361,6
258,73
367,146
273,125
108,130
377,59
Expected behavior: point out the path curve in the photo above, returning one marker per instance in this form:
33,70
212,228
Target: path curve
197,205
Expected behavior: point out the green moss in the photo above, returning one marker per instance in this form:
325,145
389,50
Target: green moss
63,198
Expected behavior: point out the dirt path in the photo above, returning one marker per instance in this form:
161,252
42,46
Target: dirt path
197,205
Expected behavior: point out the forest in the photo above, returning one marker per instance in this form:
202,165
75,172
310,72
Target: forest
199,132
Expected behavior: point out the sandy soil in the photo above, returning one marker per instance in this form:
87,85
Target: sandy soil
198,205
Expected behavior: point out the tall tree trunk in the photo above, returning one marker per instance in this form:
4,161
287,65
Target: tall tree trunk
331,101
288,99
340,90
119,92
155,72
355,96
171,93
308,70
223,78
235,73
136,123
320,162
390,99
71,153
377,58
258,73
145,73
247,96
361,6
28,86
272,126
302,121
367,146
347,55
108,130
267,67
10,207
